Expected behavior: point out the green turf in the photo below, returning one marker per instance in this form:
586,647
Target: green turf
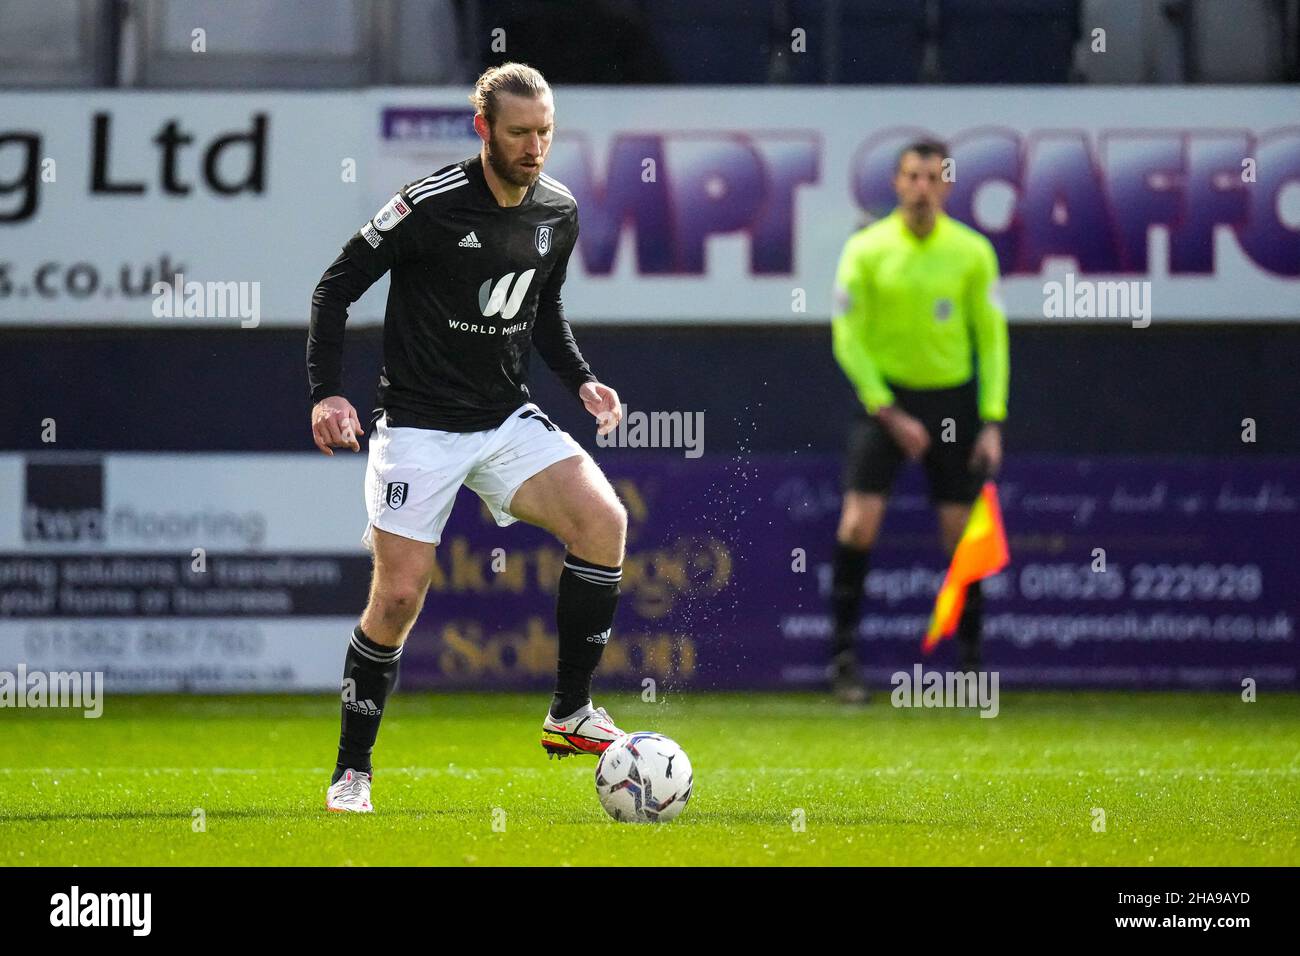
1183,779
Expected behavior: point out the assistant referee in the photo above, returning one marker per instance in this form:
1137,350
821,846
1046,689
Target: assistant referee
919,330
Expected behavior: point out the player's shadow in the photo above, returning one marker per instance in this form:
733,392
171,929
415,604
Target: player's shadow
782,821
279,813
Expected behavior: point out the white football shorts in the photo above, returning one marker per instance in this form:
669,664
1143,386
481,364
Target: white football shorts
413,474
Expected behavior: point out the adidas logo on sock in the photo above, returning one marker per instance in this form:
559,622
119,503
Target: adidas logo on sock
470,242
601,638
366,707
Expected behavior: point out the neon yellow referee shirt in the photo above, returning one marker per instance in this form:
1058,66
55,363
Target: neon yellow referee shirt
916,312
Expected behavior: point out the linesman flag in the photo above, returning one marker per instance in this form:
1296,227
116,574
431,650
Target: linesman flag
982,551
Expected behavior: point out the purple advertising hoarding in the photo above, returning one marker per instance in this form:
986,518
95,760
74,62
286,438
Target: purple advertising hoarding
1124,572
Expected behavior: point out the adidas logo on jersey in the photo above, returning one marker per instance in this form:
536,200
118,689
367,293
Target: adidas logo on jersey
470,242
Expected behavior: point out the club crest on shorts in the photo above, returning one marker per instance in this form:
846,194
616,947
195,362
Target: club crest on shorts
543,240
396,494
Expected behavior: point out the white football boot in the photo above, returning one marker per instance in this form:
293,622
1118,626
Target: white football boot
350,794
587,730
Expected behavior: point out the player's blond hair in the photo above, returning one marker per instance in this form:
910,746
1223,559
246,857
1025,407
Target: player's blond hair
517,78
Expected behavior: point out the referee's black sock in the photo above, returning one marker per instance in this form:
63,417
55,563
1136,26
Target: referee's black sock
369,676
584,615
848,573
970,627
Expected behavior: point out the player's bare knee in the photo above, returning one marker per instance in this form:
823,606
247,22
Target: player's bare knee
600,532
614,518
404,601
397,606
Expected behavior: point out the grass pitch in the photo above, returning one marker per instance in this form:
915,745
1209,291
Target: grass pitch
1182,779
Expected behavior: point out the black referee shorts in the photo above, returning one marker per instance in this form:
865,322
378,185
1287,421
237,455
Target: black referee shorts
874,458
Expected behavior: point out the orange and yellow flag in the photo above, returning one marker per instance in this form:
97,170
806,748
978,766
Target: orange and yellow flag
982,551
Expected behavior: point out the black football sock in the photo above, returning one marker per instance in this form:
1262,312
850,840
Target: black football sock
371,670
848,573
970,627
584,616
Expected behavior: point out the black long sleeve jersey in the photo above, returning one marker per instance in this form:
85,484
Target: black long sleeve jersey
474,286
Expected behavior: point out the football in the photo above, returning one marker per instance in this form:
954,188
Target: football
644,778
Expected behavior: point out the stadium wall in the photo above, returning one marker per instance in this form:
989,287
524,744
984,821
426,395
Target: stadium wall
174,441
1190,209
137,442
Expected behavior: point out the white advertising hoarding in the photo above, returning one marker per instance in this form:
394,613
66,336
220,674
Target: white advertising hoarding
167,572
707,204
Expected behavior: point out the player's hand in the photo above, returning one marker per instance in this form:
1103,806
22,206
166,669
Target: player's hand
906,429
986,456
334,424
602,401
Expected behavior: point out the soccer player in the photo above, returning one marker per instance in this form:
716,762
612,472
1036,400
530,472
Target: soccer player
916,312
478,253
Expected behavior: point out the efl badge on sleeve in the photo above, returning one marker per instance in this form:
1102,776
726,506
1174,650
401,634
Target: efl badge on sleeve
394,212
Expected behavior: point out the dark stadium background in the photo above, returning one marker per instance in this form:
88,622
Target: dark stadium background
1075,390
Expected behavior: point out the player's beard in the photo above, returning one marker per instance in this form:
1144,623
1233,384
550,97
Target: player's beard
513,174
